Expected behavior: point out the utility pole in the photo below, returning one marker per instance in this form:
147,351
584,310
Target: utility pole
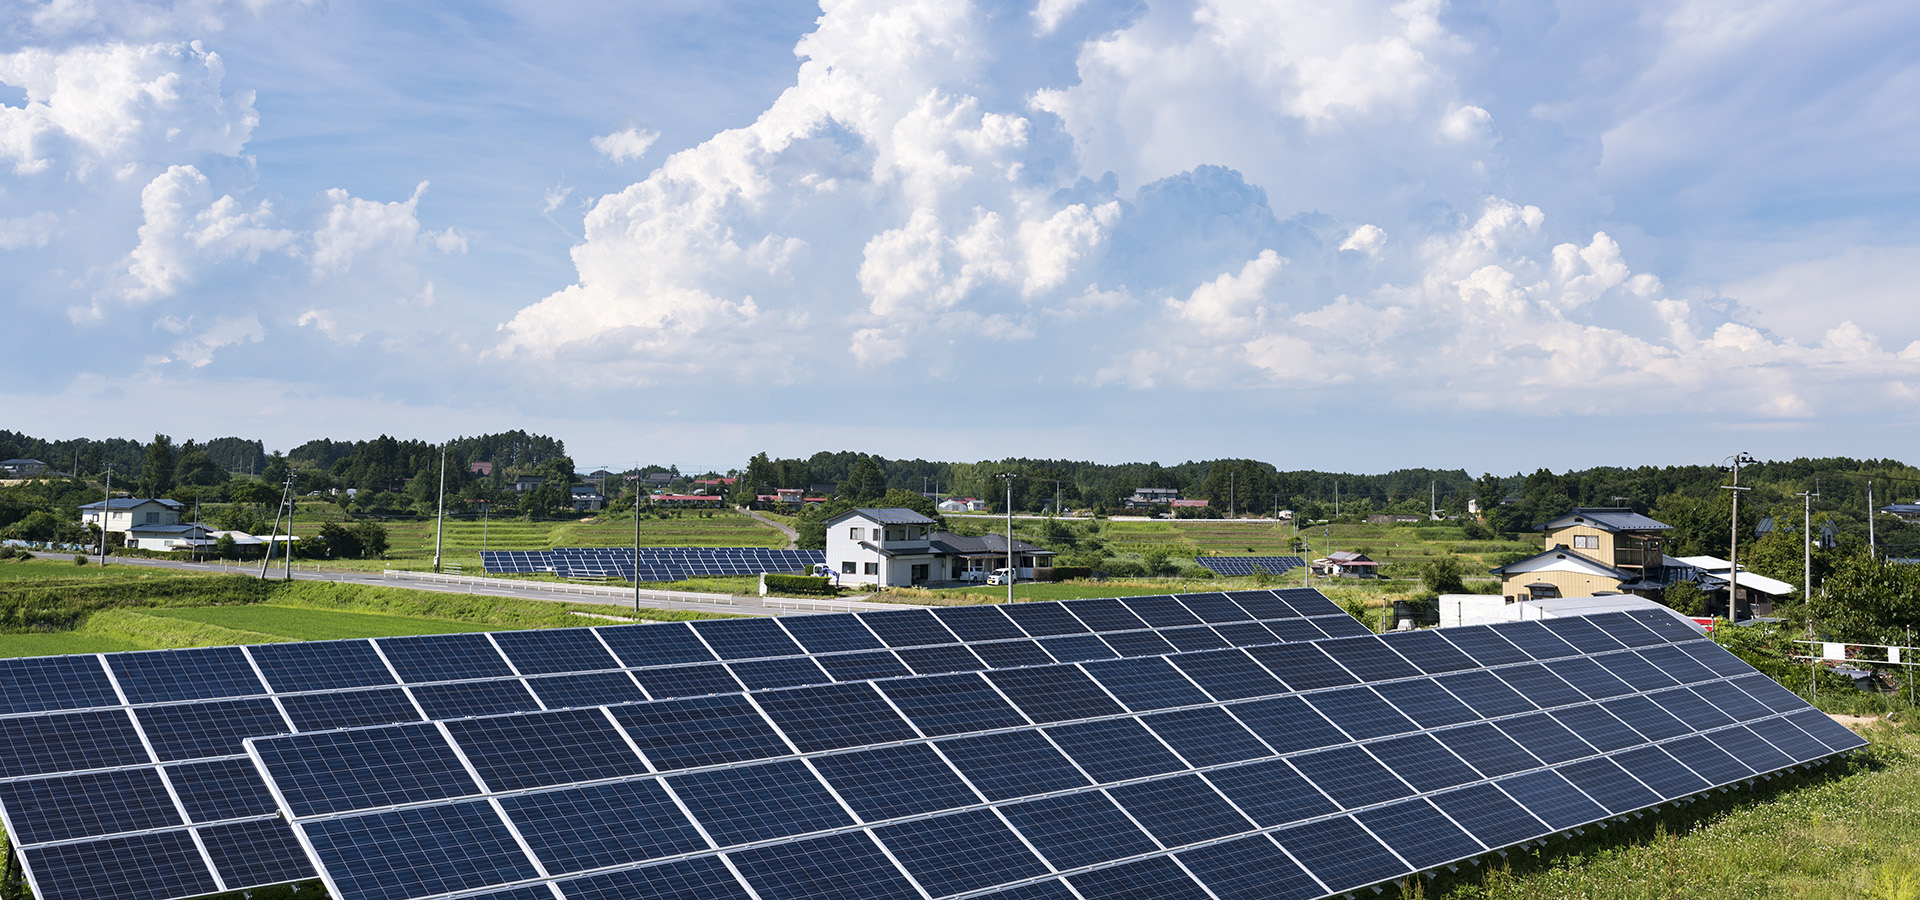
1433,500
440,518
636,546
1013,574
1806,528
1733,575
273,537
106,514
1230,474
1871,543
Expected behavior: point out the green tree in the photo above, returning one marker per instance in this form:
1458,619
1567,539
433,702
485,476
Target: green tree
866,482
373,539
196,468
1686,598
339,542
1444,575
156,477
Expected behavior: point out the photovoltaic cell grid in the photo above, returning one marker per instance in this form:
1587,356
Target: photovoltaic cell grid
109,757
1242,566
1006,783
654,563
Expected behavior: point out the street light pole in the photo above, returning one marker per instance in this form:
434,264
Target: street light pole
440,518
1013,574
1733,545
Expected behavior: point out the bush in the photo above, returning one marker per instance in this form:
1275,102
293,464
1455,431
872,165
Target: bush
1444,575
1068,573
800,584
1685,598
79,559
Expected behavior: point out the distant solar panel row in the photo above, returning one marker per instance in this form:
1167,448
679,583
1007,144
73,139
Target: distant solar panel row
1242,566
1290,770
653,564
162,729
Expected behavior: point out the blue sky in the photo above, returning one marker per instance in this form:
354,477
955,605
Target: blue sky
1349,235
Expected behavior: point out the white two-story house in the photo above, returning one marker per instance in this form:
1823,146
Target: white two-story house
144,524
899,547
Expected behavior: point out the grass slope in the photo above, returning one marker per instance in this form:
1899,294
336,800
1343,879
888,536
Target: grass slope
411,543
303,624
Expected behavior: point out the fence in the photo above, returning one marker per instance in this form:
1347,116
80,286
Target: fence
587,590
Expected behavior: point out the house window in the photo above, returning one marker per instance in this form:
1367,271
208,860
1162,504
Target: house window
846,568
1586,542
153,518
876,534
853,534
873,568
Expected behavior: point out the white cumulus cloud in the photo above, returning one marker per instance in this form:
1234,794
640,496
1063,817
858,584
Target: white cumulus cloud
627,145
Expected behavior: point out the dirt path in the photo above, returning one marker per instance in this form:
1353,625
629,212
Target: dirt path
793,537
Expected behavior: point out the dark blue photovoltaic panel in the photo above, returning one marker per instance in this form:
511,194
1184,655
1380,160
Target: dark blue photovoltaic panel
1485,645
1054,693
1490,815
1835,735
1078,829
1609,785
1010,654
1582,634
1012,764
320,666
1293,630
517,752
1078,648
952,704
1368,659
1769,693
417,852
1589,678
1665,624
862,666
257,853
1677,663
158,676
1183,810
69,742
1251,868
443,657
699,878
1246,634
1732,700
688,681
1486,693
1623,628
1690,708
1748,748
960,852
890,782
1706,758
907,627
555,650
661,644
1646,717
1115,749
1488,749
830,634
1271,792
142,867
1429,651
1545,738
746,638
1350,776
1043,619
978,623
1309,602
1160,611
1425,702
1263,605
1194,638
94,803
221,789
1341,854
766,674
1213,608
1206,737
337,771
1540,686
349,709
1136,643
1159,878
1535,639
1598,727
700,731
1423,762
602,825
1666,775
938,660
1288,724
1228,674
1360,713
200,730
1419,833
843,866
586,689
833,716
1552,800
1303,667
54,682
1039,890
474,698
1143,684
1104,615
1341,625
1642,675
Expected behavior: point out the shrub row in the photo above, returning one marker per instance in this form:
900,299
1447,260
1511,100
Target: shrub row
800,584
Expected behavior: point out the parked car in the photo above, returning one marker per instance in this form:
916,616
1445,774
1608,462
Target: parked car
1002,576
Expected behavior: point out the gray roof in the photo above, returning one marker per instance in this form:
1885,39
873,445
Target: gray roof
1609,519
890,516
132,502
20,462
1564,550
165,529
988,543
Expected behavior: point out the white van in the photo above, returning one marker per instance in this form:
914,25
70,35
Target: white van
1001,576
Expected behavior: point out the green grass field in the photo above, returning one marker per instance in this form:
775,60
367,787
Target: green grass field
59,643
316,624
61,570
411,543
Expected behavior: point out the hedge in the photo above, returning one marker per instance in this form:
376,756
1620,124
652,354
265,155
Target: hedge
800,584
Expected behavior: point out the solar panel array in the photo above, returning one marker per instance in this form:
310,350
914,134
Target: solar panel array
1269,769
1242,566
123,775
655,563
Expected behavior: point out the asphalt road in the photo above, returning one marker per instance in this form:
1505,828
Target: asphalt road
737,605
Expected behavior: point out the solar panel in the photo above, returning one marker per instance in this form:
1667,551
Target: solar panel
1247,750
1244,566
649,563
